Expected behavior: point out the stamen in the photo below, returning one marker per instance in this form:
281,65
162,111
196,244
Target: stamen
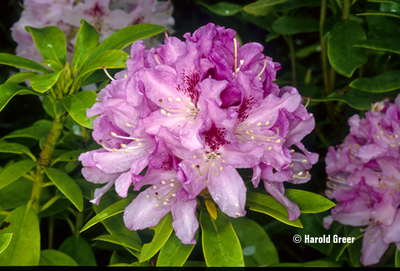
155,56
123,137
234,44
263,69
308,101
108,75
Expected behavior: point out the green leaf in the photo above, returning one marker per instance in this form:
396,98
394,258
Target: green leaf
86,41
309,202
110,211
5,241
258,249
261,7
342,54
317,263
7,91
15,171
78,249
24,248
20,62
396,2
120,240
68,156
162,232
397,258
16,194
51,257
354,251
50,42
221,246
20,77
174,253
293,25
77,104
389,14
295,4
387,45
43,82
37,131
66,185
267,204
110,59
223,8
16,148
308,50
125,37
52,64
384,82
382,27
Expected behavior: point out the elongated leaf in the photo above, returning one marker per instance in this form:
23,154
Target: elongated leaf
50,42
7,91
87,39
397,258
52,64
120,240
68,156
78,249
221,246
5,241
77,104
223,8
43,82
24,248
258,249
162,232
309,202
16,148
293,25
67,186
396,2
174,253
16,194
342,54
125,37
261,7
317,263
269,205
382,83
110,211
387,45
20,62
51,257
389,14
295,4
15,171
20,77
37,131
382,27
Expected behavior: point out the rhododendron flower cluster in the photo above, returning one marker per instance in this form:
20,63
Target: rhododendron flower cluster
191,113
364,177
107,16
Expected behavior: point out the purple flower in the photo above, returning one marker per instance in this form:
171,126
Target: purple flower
363,176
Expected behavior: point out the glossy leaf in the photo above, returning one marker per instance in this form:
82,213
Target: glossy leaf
389,14
397,258
15,171
5,241
24,248
223,8
43,82
267,204
161,234
258,249
354,252
16,194
16,148
68,156
387,45
20,77
174,253
342,54
7,91
384,82
78,249
86,41
261,7
396,2
294,25
51,257
110,211
52,64
67,186
382,27
120,240
295,4
37,131
124,37
50,42
221,246
317,263
20,62
77,104
309,202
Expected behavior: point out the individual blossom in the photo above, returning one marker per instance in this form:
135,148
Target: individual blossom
191,113
363,177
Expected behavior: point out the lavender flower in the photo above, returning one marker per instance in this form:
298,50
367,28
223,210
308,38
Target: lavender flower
363,176
193,112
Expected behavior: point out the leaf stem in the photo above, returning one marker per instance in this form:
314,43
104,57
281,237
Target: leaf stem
346,9
324,54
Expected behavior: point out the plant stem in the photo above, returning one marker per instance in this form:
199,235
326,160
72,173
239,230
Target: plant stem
346,9
324,54
289,41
